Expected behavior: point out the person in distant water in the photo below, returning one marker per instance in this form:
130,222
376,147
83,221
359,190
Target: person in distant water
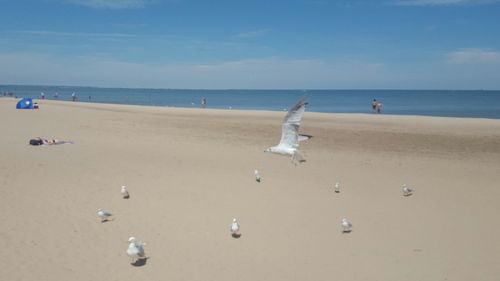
56,95
90,97
43,95
73,96
203,102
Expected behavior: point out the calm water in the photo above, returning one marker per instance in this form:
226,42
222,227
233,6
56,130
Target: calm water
479,103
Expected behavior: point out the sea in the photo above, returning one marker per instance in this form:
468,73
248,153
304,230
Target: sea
451,103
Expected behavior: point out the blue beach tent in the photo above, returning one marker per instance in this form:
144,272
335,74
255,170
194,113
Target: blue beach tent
25,103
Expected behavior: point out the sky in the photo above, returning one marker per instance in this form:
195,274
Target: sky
252,44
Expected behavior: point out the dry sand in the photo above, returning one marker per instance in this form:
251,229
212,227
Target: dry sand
190,171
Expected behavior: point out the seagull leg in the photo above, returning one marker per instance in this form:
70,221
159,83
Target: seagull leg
297,157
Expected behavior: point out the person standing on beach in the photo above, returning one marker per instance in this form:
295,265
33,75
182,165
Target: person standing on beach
43,95
56,95
73,96
203,102
374,105
379,107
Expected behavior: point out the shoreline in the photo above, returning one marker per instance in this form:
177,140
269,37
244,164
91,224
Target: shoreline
257,110
470,104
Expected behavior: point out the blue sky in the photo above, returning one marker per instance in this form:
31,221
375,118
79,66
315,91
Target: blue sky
258,44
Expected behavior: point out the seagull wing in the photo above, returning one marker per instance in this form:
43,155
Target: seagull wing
291,124
235,227
140,250
304,137
132,250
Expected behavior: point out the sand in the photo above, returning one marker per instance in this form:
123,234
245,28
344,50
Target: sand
190,171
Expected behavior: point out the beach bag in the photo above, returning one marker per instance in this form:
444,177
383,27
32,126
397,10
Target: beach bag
36,142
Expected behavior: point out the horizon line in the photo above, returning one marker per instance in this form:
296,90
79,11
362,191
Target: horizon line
250,89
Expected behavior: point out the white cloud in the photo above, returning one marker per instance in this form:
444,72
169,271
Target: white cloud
254,33
264,73
474,56
69,34
261,73
443,2
111,4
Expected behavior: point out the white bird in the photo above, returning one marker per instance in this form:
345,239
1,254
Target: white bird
337,187
346,225
235,228
124,192
290,137
257,176
407,191
104,215
135,249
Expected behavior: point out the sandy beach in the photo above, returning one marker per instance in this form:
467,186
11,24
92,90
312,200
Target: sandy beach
191,171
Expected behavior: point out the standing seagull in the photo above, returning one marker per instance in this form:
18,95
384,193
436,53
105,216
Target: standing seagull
290,137
135,249
257,176
346,225
407,191
337,187
104,215
235,229
124,192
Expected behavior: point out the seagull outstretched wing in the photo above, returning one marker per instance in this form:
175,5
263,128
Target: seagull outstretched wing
291,124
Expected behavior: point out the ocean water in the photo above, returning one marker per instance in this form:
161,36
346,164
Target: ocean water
479,103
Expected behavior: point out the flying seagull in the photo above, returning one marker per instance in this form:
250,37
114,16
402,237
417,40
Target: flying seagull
346,225
104,215
124,192
290,137
407,191
235,229
135,249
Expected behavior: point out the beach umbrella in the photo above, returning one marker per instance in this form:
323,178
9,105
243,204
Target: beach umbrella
25,103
